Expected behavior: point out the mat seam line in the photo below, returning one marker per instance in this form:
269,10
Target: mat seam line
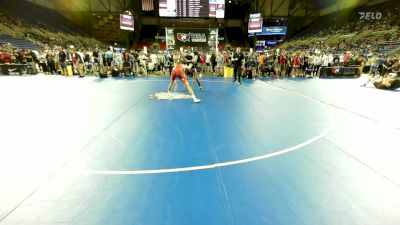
363,163
335,106
222,187
69,160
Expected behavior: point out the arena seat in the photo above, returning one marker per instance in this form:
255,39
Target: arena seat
18,43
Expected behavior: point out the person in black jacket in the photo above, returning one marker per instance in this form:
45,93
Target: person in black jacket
213,61
237,59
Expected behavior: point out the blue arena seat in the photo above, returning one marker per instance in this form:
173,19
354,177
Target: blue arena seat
18,43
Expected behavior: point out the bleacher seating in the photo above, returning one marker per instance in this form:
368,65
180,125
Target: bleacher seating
33,14
40,28
107,30
18,43
346,29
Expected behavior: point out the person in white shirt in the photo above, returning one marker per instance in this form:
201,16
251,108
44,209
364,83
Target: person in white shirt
330,59
101,60
325,60
108,57
143,62
153,61
220,64
208,62
317,64
341,59
118,59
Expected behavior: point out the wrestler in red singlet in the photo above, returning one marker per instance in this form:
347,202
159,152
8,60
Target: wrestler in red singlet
178,72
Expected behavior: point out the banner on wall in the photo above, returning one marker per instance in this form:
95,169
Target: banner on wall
191,37
255,23
127,22
275,30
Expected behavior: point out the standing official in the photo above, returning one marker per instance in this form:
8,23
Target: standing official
237,60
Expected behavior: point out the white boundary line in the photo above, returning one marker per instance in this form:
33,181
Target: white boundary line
229,163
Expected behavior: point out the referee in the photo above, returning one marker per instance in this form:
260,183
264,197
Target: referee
237,65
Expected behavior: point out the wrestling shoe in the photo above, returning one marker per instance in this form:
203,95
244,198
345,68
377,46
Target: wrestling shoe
170,96
196,100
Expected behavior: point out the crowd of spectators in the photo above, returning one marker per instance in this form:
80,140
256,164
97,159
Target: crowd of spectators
113,61
275,63
363,43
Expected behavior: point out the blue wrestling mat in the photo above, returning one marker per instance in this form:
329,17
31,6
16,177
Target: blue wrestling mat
122,151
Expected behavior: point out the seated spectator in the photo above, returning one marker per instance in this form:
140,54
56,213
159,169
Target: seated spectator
388,66
5,57
395,71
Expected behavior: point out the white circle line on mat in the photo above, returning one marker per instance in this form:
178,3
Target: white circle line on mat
229,163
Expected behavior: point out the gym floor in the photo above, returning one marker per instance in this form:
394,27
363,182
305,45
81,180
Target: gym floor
295,151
